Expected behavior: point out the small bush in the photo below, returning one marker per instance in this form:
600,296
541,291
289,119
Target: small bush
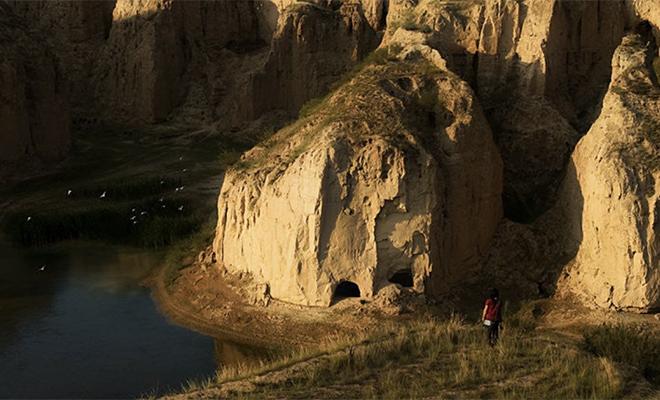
408,22
311,107
229,157
231,150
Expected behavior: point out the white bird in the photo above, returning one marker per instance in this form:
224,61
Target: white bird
133,210
133,218
181,208
102,196
162,182
134,222
185,169
181,158
43,267
68,193
161,199
163,205
143,213
29,218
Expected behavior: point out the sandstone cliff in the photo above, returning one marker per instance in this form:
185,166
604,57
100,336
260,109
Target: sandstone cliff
312,47
611,193
34,109
395,173
508,49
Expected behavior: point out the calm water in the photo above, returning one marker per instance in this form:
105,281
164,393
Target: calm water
84,327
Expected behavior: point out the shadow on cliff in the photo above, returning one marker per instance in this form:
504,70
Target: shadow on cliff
528,261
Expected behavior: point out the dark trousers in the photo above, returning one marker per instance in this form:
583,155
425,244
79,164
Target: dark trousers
493,333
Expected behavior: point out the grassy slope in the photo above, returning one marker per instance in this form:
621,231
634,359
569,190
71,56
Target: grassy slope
439,358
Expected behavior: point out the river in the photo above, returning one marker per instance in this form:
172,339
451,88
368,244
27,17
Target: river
75,323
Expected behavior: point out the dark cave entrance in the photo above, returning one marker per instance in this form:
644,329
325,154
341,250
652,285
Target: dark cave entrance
346,289
403,278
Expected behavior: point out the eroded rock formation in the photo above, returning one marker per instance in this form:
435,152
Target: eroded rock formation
611,194
396,172
311,49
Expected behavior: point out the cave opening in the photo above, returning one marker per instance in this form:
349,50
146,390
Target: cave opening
346,289
403,278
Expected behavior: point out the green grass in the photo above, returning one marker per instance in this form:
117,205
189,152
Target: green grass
148,223
634,345
315,115
436,358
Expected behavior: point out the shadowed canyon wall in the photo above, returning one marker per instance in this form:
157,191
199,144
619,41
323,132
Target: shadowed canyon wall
34,108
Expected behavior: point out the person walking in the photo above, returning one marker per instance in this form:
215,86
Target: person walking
492,316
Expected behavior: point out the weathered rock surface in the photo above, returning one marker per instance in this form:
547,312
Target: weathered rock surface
395,173
312,47
530,48
158,50
611,195
34,109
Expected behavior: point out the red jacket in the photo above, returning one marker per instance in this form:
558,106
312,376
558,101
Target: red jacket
494,310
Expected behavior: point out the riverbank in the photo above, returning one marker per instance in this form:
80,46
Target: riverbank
208,298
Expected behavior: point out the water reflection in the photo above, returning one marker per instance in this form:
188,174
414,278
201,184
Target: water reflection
84,328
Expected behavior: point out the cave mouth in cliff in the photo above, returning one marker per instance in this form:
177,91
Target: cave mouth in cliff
403,278
346,289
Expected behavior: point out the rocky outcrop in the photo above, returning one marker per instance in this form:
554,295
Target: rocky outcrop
395,174
535,65
34,109
611,195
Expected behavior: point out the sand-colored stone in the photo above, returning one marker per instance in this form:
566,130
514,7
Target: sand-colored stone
396,172
611,191
530,48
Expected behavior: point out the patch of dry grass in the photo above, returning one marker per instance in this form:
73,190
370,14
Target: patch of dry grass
435,358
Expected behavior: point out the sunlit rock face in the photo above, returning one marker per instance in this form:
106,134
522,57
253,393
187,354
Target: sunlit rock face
557,49
611,190
395,173
34,109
